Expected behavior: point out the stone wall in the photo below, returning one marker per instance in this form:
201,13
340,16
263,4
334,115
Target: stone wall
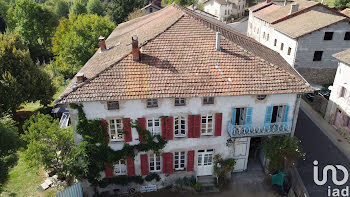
318,75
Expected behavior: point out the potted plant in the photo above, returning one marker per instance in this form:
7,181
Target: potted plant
197,187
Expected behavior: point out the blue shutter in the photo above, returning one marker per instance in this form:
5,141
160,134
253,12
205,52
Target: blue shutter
286,111
233,116
248,117
268,116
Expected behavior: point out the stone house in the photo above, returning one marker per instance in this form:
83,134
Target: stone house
223,9
338,108
304,33
217,91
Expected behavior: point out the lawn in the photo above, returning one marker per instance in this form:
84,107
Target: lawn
24,182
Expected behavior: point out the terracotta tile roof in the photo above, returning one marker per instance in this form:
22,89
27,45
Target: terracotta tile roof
346,11
343,56
267,10
258,6
305,23
181,62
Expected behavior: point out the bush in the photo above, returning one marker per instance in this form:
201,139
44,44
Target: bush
152,176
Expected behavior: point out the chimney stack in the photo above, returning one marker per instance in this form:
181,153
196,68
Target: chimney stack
102,42
285,3
80,77
217,43
294,8
268,1
136,56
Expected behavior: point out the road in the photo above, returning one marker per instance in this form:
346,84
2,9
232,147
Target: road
317,146
241,26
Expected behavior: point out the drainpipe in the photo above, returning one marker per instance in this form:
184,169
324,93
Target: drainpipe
296,113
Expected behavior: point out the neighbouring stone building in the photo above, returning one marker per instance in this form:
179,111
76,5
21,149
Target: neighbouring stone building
224,9
338,109
206,89
304,33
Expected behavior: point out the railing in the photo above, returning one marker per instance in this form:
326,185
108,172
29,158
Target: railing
259,129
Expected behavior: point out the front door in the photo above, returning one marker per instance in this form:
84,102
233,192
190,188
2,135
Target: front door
205,162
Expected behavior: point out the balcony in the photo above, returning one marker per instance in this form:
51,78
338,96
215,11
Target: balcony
259,129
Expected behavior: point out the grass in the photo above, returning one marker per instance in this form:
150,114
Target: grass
25,181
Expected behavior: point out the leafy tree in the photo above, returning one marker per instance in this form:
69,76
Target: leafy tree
35,24
78,8
135,14
341,4
9,143
118,10
282,150
48,144
61,9
96,7
21,80
75,41
3,10
180,2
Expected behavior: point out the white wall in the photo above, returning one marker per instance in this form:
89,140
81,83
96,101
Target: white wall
218,10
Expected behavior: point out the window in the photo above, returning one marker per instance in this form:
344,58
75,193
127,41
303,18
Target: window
264,35
268,36
179,160
153,125
180,101
205,157
120,167
225,12
343,92
154,162
111,105
328,36
282,46
239,116
207,125
180,126
318,56
208,100
152,103
116,130
150,10
289,50
261,97
277,113
347,36
275,43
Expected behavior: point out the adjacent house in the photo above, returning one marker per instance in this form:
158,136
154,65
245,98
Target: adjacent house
338,108
203,87
304,33
225,9
152,7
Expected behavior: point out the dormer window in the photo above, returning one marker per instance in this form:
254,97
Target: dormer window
208,100
152,103
112,105
180,101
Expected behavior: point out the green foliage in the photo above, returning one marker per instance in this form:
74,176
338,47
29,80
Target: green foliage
152,176
118,10
21,80
342,4
121,180
48,144
180,2
78,8
96,7
282,150
61,8
222,167
35,24
76,40
3,9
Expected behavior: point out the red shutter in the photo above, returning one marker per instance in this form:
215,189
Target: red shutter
163,127
190,160
169,128
218,124
144,164
109,172
127,130
142,123
168,163
105,126
190,126
130,166
197,126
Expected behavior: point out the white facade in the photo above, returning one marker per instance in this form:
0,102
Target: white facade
222,11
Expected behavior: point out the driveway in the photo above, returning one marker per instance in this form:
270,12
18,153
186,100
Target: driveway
317,146
240,26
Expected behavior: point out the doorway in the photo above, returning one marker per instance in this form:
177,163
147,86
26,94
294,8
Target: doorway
205,162
255,151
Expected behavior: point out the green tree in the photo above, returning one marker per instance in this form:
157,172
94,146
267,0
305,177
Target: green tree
341,4
3,10
180,2
35,24
96,7
48,145
78,8
75,41
61,9
9,143
21,80
118,10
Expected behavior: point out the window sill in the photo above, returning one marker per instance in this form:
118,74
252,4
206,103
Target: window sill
121,140
180,136
207,134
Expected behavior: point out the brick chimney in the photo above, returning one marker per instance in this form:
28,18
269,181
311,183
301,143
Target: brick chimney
294,8
136,55
80,77
268,1
102,42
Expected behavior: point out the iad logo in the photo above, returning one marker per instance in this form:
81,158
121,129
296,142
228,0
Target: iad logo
333,169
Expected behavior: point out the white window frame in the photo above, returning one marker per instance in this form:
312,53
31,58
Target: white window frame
206,125
180,101
180,132
111,103
120,168
205,157
153,102
118,133
181,161
155,158
206,100
153,128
